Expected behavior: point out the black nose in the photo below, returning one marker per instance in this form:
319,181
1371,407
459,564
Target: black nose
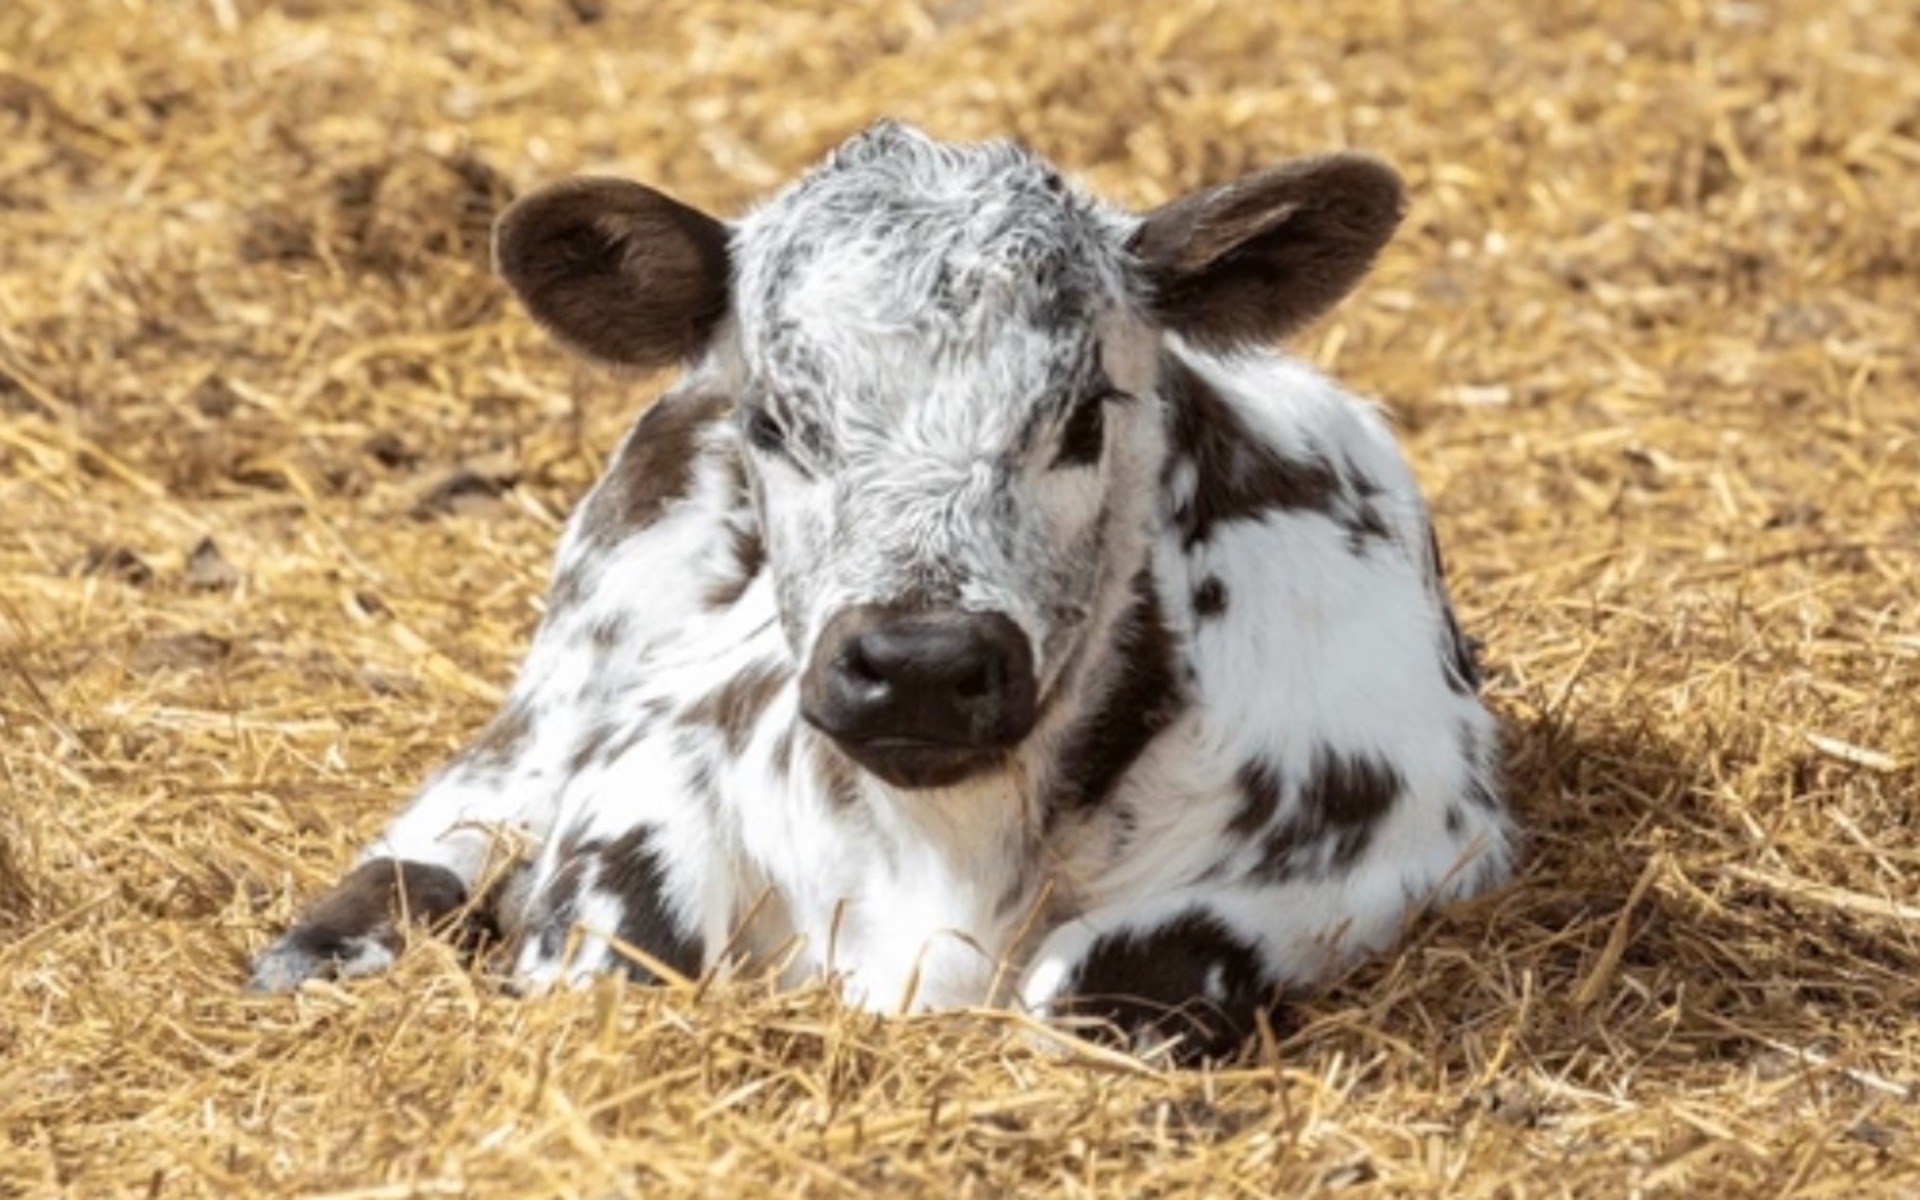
921,698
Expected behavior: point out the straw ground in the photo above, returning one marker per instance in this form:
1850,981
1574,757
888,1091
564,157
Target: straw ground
280,470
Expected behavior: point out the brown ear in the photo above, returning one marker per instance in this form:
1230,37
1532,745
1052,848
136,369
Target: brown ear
615,270
1257,258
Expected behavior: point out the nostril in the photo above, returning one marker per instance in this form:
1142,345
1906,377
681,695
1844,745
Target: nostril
858,667
976,684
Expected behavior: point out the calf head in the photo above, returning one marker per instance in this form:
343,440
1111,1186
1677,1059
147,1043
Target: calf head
944,363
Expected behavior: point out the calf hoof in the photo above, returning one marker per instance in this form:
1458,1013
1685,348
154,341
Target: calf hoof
355,929
305,954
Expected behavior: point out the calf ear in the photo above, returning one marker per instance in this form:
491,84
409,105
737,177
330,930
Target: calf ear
616,270
1252,260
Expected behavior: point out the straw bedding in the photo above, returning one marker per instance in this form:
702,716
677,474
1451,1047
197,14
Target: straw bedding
280,469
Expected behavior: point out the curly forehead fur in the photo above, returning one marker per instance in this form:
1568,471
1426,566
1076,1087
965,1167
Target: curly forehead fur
896,233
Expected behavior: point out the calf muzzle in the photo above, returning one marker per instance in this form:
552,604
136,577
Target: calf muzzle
921,698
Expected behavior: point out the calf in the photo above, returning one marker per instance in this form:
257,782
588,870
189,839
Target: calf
987,617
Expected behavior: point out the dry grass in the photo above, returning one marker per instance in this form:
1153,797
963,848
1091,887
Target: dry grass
1651,331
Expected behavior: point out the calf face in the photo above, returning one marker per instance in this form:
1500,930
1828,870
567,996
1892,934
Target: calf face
945,374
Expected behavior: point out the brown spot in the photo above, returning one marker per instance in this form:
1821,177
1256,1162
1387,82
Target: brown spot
749,555
1350,789
1458,657
569,588
653,467
736,705
702,771
839,777
1456,820
636,731
1283,851
607,633
1364,526
1142,698
1460,660
1347,795
633,871
501,742
1210,598
783,751
1340,804
1191,976
591,747
746,551
559,899
372,900
1238,475
1482,794
739,486
1480,789
1260,797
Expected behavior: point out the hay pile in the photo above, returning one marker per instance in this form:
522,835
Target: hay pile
280,471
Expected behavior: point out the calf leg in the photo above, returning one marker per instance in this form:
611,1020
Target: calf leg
649,547
638,879
1179,975
612,906
355,928
424,867
1199,965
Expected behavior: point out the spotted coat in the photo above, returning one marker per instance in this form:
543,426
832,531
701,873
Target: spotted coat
939,378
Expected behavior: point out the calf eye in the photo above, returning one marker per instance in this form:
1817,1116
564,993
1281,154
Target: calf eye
763,432
1085,433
